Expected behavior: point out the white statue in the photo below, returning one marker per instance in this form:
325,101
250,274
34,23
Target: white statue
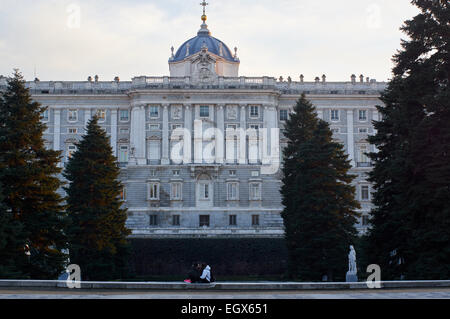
352,261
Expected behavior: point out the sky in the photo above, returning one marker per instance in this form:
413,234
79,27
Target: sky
69,40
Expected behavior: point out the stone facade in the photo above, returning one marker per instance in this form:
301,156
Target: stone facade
230,196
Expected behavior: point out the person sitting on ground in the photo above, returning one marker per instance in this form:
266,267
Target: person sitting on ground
206,274
194,274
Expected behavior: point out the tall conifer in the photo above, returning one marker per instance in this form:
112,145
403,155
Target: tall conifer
29,176
319,200
97,233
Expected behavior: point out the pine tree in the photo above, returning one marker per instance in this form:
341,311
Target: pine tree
29,175
410,234
12,242
97,233
318,197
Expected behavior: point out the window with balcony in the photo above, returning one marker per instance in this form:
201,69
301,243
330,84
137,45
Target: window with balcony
176,191
123,153
124,115
154,111
153,191
45,116
335,115
255,191
233,191
362,115
363,158
254,111
283,115
365,193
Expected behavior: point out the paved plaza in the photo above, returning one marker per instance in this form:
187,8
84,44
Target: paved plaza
438,293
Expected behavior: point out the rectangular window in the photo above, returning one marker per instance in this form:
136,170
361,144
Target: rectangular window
233,220
176,220
176,126
255,220
283,115
335,130
231,126
254,126
335,115
124,115
154,111
204,111
365,193
153,192
124,131
154,127
254,111
233,191
255,173
363,130
362,115
101,114
204,221
153,220
175,191
72,115
45,116
123,194
204,191
71,149
176,173
154,151
232,173
123,154
365,220
72,130
255,191
363,158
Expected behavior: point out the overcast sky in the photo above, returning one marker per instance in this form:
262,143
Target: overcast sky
72,39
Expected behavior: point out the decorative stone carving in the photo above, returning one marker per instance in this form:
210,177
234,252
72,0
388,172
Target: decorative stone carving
232,112
176,112
352,271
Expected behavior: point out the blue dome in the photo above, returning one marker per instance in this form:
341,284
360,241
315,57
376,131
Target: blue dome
195,45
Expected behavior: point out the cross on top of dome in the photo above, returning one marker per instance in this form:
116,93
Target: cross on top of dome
204,4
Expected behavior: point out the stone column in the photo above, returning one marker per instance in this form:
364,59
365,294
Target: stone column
114,131
137,134
57,133
243,136
87,117
376,118
187,148
350,138
320,114
165,136
220,134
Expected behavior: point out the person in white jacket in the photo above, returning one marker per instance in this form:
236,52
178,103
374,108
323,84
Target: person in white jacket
206,274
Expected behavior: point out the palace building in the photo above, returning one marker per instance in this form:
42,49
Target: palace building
221,184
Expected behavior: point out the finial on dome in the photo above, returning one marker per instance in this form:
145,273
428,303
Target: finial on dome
204,17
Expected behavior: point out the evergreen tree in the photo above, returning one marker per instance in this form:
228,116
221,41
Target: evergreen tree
410,233
29,175
12,242
97,233
318,197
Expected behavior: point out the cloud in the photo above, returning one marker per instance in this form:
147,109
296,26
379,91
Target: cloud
132,38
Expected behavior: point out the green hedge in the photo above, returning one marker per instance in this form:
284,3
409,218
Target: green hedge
256,257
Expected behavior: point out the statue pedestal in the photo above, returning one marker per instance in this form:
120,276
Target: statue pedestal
351,277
